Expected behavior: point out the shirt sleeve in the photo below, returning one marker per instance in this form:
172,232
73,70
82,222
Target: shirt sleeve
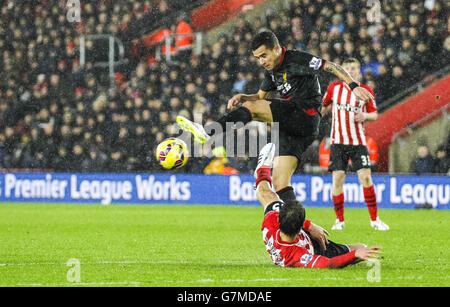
270,220
371,105
306,224
322,262
328,97
308,64
310,261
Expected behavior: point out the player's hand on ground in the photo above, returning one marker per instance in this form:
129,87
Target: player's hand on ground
363,94
320,234
233,101
368,252
360,117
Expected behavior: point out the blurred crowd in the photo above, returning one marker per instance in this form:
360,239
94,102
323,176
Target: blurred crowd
429,163
56,114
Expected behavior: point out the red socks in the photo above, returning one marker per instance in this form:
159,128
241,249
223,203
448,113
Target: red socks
371,201
369,197
338,202
263,174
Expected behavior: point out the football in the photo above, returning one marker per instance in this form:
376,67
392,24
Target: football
172,153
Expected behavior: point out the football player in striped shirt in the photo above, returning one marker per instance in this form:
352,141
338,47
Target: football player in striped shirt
348,141
293,241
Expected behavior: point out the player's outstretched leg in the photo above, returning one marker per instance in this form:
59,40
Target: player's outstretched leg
262,174
242,114
265,158
196,129
284,167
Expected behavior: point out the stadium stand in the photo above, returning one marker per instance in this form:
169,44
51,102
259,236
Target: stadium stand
56,114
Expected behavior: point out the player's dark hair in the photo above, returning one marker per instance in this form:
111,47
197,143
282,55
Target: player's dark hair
291,217
351,60
266,38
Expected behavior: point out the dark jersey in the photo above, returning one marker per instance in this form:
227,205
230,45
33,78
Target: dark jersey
296,79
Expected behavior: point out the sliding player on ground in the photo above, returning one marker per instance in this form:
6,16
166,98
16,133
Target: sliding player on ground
286,233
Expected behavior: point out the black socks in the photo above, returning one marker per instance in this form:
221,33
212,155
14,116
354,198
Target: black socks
241,114
286,193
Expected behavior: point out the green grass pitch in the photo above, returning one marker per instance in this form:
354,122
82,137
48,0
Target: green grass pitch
205,246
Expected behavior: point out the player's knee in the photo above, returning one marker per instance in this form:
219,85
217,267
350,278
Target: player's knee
338,180
366,179
258,110
251,106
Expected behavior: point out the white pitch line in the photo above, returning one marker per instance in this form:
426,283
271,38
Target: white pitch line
255,280
75,284
138,284
95,262
301,279
126,262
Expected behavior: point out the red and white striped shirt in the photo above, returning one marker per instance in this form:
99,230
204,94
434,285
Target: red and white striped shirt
344,129
299,253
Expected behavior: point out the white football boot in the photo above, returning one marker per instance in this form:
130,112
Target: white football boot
338,225
379,224
196,129
265,157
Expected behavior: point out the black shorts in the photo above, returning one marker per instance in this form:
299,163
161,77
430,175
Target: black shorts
297,128
274,206
333,249
340,155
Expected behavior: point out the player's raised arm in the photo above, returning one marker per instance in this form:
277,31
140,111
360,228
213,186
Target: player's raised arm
342,74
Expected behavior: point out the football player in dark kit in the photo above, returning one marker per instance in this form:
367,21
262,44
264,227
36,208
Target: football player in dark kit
294,76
